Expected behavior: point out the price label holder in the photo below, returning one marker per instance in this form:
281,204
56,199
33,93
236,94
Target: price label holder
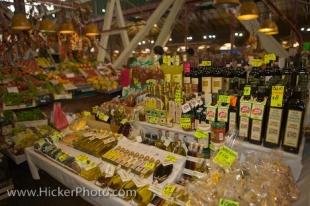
185,122
199,134
149,165
227,202
101,116
224,99
168,190
256,62
206,63
178,96
277,96
247,91
269,57
86,114
225,157
12,90
170,159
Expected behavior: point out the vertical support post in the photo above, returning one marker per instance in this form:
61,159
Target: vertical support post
106,25
121,23
157,14
165,32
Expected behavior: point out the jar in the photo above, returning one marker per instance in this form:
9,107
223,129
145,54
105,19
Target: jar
218,132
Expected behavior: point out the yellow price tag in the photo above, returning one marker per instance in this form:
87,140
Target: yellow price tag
86,114
225,157
247,91
149,165
199,134
82,158
170,159
206,63
102,116
224,99
277,96
185,122
168,190
150,103
178,96
227,202
256,62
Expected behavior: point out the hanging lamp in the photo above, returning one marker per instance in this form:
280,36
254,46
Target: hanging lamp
66,28
274,31
268,26
20,22
92,30
226,3
47,26
248,11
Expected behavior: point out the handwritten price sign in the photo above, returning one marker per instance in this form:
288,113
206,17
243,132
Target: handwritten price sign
277,96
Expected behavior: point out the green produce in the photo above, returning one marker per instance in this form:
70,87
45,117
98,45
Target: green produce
29,115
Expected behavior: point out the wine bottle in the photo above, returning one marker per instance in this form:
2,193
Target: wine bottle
273,131
293,125
257,121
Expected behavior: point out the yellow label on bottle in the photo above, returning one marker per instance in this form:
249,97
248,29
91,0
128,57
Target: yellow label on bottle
170,159
225,157
224,99
277,96
206,63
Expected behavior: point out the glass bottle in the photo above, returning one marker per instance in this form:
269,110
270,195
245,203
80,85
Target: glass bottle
293,123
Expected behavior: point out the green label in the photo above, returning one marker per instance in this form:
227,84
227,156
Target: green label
225,157
227,202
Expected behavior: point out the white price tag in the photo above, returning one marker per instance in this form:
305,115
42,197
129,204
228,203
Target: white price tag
12,90
70,75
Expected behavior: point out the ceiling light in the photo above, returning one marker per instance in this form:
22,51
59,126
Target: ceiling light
170,39
139,43
213,36
116,51
204,36
302,29
152,41
248,11
103,10
267,26
66,28
143,42
20,22
189,38
240,34
91,30
236,34
47,26
296,44
308,29
166,49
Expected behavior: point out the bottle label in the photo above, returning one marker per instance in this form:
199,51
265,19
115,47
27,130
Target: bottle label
167,77
244,126
232,120
177,78
187,80
274,124
292,129
256,130
245,109
216,84
222,114
194,80
257,111
186,108
211,113
206,84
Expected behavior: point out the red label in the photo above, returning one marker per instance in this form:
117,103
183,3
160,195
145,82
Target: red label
245,109
257,111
